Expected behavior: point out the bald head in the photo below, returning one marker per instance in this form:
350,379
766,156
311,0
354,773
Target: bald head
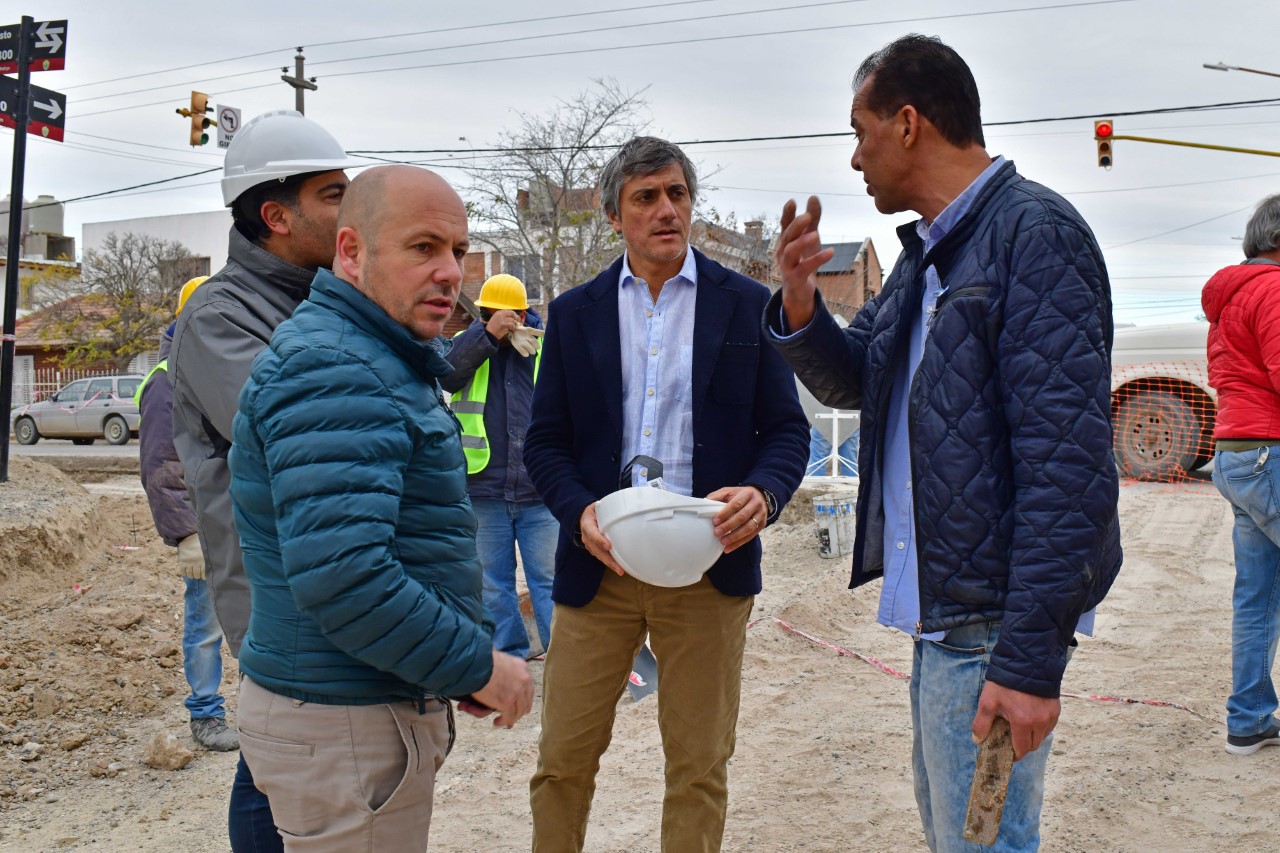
402,233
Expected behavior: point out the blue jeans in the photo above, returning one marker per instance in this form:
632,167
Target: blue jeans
503,524
947,678
201,652
819,449
1248,480
250,827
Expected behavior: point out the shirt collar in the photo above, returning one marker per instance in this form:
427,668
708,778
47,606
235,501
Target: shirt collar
688,270
932,232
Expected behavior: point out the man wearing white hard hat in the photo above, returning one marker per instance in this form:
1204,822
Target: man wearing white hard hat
283,180
662,358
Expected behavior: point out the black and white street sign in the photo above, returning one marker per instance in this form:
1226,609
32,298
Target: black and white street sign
228,124
48,109
49,51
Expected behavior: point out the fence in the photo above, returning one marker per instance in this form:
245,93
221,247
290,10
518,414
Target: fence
38,384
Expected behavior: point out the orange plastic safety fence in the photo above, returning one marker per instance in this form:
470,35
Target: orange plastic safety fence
1164,415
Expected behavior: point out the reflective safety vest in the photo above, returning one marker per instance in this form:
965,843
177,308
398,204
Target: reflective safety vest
137,395
468,404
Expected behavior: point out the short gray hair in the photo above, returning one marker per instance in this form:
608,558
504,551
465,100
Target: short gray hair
1262,234
642,155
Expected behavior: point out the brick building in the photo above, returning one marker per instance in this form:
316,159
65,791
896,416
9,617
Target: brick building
851,278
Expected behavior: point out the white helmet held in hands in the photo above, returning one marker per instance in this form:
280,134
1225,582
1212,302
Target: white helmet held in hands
660,537
279,145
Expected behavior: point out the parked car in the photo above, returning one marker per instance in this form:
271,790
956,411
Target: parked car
1163,406
83,411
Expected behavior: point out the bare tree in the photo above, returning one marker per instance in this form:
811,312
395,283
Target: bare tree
540,198
123,300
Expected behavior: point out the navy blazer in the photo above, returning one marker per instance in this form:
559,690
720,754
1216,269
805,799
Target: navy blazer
748,426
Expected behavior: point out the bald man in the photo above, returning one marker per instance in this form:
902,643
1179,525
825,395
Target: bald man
349,487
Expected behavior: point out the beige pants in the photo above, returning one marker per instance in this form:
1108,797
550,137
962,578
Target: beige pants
345,778
698,635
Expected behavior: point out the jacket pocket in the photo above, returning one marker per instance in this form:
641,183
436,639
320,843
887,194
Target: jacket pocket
733,382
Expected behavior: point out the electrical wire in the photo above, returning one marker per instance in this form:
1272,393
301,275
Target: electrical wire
489,43
664,43
392,36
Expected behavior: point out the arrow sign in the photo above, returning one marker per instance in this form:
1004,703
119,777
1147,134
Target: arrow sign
48,109
48,51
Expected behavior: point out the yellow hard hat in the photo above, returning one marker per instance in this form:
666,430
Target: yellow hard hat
190,288
503,291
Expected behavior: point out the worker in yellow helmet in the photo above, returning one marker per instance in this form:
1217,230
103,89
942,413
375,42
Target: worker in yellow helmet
175,521
496,362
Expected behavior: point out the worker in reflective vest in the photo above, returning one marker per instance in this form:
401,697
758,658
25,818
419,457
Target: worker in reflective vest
164,481
496,362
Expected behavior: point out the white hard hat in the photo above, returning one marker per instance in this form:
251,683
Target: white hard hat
278,145
659,537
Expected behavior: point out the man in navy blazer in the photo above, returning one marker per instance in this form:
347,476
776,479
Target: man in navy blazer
660,356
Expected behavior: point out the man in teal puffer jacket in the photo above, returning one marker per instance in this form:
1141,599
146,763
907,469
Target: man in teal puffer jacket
349,487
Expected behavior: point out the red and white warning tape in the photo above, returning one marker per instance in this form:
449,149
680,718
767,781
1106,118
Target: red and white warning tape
888,670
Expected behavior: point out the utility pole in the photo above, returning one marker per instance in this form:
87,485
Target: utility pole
298,81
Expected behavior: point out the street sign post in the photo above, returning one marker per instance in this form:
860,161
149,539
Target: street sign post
24,47
228,124
47,113
47,53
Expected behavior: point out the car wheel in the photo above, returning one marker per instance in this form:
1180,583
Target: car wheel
25,431
115,430
1157,436
81,442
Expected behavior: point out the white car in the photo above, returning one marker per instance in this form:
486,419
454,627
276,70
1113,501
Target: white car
84,410
1160,396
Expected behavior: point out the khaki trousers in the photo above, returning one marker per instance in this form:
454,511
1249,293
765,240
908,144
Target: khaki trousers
345,777
697,634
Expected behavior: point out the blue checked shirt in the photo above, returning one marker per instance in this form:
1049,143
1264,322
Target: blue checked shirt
657,373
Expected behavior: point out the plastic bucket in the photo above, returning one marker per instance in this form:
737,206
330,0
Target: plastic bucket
833,516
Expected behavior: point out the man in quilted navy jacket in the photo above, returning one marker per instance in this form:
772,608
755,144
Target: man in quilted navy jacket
982,370
350,494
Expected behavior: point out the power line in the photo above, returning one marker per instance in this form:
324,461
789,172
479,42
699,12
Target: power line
665,43
122,189
489,43
704,39
1175,230
389,36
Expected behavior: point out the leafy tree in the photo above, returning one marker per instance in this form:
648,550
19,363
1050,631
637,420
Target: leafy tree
539,200
123,300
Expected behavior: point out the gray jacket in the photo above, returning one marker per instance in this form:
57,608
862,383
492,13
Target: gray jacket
225,323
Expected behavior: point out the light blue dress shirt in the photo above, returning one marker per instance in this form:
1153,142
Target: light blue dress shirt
657,373
900,595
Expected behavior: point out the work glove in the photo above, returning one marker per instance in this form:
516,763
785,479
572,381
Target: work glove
525,340
191,558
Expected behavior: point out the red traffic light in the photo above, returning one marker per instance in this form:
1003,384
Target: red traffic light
1102,128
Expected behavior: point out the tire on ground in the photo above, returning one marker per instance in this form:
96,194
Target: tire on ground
25,431
116,430
1158,436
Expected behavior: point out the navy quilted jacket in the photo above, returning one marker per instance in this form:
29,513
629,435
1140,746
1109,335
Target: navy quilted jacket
350,494
1013,476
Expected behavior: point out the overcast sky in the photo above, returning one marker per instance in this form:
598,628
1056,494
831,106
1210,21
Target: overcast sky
784,70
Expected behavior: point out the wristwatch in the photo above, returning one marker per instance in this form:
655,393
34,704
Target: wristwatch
770,503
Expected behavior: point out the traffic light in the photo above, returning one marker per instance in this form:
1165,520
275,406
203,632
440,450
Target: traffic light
1103,130
199,121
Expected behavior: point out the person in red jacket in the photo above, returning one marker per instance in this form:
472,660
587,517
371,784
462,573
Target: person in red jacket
1242,303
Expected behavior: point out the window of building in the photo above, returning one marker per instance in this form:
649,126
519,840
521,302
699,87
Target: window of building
527,268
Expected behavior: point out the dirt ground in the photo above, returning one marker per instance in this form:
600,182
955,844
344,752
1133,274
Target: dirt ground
91,672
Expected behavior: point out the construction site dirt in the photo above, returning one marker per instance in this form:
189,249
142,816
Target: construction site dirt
91,670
